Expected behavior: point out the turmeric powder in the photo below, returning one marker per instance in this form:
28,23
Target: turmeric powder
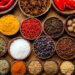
9,25
18,68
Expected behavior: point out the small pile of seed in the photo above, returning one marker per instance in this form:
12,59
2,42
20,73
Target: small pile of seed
34,7
65,48
44,47
4,67
2,46
35,67
71,25
53,27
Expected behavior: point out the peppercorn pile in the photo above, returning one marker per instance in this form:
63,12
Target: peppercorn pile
44,47
53,27
34,7
62,4
65,48
31,28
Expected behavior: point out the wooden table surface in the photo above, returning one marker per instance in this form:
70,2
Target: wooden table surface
21,17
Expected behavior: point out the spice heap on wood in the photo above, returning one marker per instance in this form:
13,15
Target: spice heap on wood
65,48
44,47
19,48
31,28
34,7
9,25
18,68
4,67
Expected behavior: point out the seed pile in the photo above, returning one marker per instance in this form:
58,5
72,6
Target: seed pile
35,67
19,48
34,7
50,67
67,68
2,46
65,48
53,27
4,67
44,47
18,68
71,25
31,28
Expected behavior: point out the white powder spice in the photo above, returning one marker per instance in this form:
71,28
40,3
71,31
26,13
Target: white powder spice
20,48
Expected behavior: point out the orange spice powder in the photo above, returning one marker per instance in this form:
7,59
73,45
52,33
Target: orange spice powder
18,68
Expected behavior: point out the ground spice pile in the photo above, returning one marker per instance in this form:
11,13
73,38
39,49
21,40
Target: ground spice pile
53,27
31,28
34,7
35,67
3,46
9,25
4,67
44,47
65,48
18,68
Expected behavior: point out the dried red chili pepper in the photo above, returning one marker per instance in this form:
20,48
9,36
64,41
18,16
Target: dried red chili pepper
7,5
60,4
6,0
31,28
2,3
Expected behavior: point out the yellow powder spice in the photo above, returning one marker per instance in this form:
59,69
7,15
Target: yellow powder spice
9,25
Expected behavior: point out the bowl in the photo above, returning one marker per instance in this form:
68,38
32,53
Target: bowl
9,9
65,12
49,6
66,27
30,38
10,44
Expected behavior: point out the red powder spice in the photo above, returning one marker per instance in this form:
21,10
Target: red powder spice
31,28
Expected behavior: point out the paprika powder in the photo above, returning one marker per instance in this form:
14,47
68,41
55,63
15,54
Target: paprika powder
31,28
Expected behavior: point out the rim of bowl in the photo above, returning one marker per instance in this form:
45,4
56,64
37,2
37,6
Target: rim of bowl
29,64
37,15
48,34
9,9
6,49
69,33
38,35
16,31
56,48
48,56
61,12
14,40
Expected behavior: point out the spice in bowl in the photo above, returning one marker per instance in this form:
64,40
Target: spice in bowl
44,47
53,27
31,28
3,46
4,67
34,7
65,48
19,48
18,68
67,68
35,67
9,25
51,67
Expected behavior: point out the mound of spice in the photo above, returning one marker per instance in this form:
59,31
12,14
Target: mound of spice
4,67
44,47
31,28
53,27
35,67
65,48
18,68
19,48
3,45
34,7
51,67
67,68
9,25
